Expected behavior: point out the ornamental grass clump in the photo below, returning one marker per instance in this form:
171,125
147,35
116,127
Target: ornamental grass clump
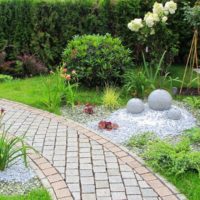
11,148
111,98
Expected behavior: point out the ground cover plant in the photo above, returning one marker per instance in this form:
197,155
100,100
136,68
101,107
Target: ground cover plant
178,161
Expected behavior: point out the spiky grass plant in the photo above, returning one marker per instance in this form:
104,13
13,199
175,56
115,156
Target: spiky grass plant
11,148
111,97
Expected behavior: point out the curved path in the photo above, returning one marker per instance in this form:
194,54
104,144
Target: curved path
79,164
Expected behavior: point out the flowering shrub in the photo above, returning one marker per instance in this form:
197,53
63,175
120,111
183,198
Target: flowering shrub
151,19
153,32
107,125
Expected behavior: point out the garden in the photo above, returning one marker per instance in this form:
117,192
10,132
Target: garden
128,70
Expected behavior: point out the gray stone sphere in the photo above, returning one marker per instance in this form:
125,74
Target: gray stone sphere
160,100
174,114
135,106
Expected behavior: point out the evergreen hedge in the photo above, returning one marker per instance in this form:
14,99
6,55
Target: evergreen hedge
43,28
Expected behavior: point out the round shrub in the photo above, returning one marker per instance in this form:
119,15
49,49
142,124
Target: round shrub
97,59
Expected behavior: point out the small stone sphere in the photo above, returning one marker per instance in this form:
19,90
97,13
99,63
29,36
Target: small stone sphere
135,106
160,100
174,114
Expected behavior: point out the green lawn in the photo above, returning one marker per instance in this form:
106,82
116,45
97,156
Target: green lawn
31,92
40,194
188,184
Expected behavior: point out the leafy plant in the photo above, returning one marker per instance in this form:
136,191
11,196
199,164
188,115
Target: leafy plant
31,65
136,83
88,109
11,148
54,90
153,74
107,125
111,97
172,158
193,101
98,59
4,78
193,134
141,140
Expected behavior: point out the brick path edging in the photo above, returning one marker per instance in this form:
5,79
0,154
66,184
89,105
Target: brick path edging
165,190
50,177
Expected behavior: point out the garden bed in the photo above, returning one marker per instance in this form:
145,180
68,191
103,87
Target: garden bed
18,179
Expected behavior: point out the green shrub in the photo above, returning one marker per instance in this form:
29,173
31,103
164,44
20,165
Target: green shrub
193,101
97,59
42,28
4,78
193,135
141,140
172,158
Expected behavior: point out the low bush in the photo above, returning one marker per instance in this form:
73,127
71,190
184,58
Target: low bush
98,59
4,78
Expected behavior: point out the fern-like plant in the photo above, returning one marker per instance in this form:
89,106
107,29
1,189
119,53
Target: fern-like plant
111,97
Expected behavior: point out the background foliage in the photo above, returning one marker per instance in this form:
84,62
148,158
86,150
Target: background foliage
43,28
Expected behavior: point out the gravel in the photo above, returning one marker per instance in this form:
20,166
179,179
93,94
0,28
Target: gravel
17,179
78,115
149,120
17,173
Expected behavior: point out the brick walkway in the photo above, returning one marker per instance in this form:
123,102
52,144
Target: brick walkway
91,166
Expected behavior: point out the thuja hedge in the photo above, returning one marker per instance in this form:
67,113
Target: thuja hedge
43,28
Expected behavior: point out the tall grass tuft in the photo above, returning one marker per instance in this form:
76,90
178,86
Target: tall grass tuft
111,97
11,148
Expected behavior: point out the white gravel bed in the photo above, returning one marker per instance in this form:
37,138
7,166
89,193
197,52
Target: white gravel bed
149,120
17,173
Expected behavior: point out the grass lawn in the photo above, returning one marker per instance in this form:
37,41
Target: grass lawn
30,91
188,184
40,194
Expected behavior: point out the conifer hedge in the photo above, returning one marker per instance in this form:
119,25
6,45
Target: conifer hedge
44,27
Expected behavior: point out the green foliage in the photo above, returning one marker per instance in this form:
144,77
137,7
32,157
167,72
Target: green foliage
11,148
193,134
97,59
54,90
4,78
192,15
111,97
193,101
42,28
172,159
141,140
39,194
136,83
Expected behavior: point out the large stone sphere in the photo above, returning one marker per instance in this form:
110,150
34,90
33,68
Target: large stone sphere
160,100
135,106
174,114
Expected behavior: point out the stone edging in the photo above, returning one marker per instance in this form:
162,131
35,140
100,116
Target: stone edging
50,177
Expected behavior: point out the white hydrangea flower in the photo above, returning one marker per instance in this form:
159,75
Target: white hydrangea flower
150,19
152,31
164,19
158,8
170,7
135,25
